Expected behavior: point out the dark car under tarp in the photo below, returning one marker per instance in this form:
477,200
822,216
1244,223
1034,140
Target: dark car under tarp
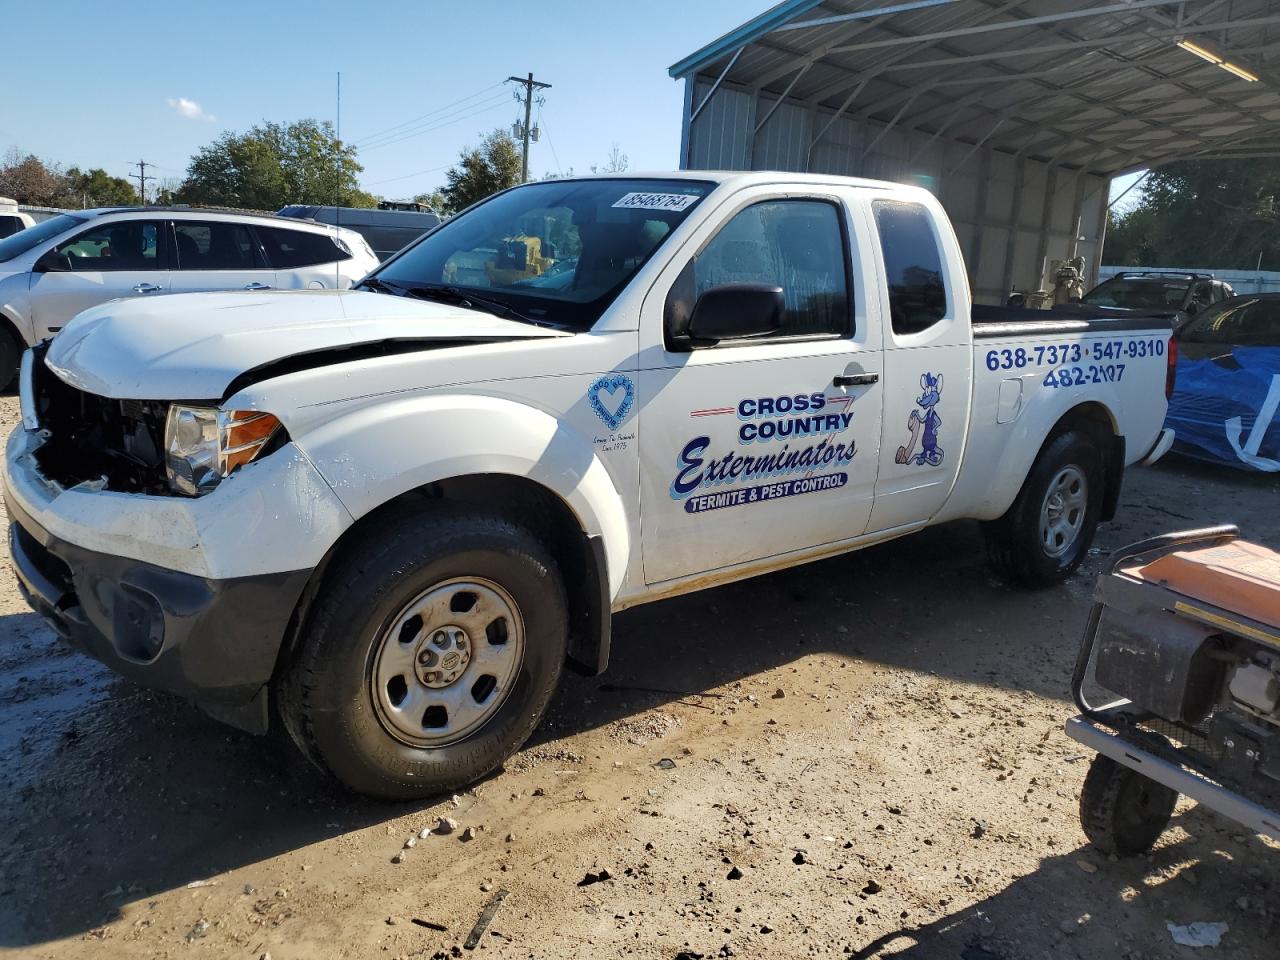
1225,402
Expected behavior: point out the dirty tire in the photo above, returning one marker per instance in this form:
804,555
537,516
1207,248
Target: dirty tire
326,691
1016,550
10,357
1122,812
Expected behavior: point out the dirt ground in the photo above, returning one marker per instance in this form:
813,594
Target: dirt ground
861,757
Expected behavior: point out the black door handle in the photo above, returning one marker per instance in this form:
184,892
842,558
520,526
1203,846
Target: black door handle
855,379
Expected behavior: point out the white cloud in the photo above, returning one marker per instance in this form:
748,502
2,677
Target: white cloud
190,109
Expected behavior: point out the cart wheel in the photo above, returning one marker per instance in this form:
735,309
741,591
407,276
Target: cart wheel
1122,811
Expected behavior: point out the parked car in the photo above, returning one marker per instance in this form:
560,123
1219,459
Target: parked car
395,513
386,230
12,219
1228,388
55,269
1159,290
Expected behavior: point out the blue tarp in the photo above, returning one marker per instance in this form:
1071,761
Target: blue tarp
1224,405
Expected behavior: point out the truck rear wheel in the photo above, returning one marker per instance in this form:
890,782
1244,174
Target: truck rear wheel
431,650
1044,536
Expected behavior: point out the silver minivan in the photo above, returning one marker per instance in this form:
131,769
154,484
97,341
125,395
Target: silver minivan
53,270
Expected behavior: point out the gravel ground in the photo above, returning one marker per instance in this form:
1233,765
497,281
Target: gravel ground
863,756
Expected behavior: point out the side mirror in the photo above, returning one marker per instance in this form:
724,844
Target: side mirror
736,311
53,262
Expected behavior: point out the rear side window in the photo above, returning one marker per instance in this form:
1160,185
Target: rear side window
9,225
912,265
797,245
215,245
296,248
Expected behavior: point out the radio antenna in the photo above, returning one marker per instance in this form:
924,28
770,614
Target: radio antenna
337,184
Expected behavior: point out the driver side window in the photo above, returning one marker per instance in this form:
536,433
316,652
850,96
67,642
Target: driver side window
797,245
130,245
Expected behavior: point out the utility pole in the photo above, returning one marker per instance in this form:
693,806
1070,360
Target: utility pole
142,179
529,85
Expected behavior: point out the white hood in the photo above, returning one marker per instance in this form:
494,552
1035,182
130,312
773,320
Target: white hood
191,346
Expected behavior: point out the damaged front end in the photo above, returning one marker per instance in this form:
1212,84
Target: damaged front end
147,577
153,447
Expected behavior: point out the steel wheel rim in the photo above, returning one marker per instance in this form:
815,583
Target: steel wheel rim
445,664
1063,510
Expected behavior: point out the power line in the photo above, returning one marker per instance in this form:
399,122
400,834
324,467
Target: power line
547,133
377,135
416,173
441,122
529,85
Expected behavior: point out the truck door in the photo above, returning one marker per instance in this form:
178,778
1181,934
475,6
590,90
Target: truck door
753,448
928,363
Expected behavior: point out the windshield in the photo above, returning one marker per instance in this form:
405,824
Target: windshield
1139,294
557,251
1247,321
24,240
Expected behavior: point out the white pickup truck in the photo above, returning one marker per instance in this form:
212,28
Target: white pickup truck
397,512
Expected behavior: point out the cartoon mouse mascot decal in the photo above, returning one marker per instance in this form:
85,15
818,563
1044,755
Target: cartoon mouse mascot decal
924,424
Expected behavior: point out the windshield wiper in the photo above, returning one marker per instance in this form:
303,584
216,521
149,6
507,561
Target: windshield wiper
449,294
381,286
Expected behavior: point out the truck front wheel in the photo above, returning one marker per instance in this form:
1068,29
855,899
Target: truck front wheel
1044,536
430,652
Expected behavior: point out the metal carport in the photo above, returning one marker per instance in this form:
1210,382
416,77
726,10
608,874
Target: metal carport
1016,113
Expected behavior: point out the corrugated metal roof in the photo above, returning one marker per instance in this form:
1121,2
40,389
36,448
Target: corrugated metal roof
1093,84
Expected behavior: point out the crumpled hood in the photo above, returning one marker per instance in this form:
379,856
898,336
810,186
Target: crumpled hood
192,346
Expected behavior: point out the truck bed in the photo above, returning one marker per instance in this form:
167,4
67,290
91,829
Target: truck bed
995,321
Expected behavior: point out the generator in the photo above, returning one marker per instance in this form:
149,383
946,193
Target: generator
1184,632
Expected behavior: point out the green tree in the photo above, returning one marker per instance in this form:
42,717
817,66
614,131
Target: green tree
274,164
28,179
96,188
1203,213
482,170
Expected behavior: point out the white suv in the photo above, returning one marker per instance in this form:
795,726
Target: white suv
55,269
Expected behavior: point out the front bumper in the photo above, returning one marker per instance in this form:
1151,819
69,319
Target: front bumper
193,596
212,641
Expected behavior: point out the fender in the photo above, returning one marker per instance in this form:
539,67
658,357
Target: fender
378,452
987,493
22,328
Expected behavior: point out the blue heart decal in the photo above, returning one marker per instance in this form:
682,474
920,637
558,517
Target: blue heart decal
604,400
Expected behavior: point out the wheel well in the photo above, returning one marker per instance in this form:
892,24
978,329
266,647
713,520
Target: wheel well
530,505
1096,420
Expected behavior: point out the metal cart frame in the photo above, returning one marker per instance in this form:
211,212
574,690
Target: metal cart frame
1113,730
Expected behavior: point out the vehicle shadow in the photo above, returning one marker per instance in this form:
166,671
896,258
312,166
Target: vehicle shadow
138,792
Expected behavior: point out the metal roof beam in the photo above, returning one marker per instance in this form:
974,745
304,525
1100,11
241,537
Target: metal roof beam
1115,8
749,32
716,86
863,14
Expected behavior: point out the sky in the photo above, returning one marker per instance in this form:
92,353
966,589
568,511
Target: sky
109,85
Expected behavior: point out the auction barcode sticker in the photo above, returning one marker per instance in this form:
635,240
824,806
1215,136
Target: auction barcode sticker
656,201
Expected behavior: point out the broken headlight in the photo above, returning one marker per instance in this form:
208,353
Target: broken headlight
204,445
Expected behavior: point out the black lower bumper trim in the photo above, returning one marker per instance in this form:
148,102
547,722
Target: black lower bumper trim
212,641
